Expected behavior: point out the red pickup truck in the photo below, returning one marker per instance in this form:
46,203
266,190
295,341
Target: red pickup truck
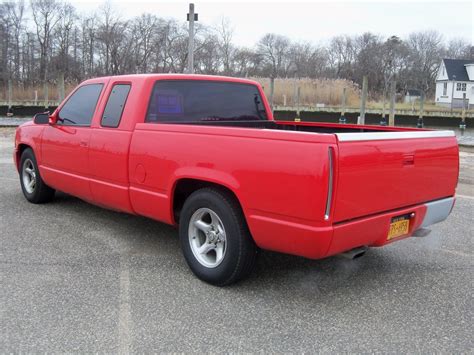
205,154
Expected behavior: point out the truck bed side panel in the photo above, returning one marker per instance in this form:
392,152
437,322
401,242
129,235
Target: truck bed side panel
273,178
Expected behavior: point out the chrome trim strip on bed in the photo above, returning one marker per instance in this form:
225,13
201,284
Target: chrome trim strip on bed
372,136
437,211
330,183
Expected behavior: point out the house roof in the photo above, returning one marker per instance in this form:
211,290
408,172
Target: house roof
456,68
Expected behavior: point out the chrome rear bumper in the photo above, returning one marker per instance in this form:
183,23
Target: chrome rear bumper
437,211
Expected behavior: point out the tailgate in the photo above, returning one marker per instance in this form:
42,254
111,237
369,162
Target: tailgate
378,172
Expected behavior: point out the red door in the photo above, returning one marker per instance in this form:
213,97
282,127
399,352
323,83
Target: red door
65,145
65,159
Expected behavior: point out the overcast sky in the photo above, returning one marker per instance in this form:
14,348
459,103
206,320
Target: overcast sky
314,21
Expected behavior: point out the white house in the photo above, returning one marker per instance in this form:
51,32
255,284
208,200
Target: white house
455,83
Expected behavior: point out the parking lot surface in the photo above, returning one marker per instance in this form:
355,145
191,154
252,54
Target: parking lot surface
78,278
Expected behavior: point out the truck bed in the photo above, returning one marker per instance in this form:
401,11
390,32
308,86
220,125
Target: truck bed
375,169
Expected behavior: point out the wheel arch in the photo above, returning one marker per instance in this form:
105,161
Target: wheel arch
20,149
184,187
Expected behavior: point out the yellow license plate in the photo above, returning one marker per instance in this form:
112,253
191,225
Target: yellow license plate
399,226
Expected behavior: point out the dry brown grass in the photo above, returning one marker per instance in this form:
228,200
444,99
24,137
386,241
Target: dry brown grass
20,93
312,91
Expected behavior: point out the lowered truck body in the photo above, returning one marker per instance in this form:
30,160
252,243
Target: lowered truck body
308,189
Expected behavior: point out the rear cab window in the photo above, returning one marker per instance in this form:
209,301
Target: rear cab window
190,101
115,105
80,107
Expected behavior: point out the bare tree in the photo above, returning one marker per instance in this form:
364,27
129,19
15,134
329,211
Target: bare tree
46,15
342,56
15,12
274,48
225,33
143,33
458,48
89,29
426,49
64,37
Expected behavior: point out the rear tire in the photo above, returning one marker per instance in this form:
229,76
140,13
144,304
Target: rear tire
215,238
33,187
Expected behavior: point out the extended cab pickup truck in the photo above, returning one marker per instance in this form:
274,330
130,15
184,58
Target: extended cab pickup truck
205,154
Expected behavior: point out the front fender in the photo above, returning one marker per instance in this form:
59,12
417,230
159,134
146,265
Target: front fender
28,135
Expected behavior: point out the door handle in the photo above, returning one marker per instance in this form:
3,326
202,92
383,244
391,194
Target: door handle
83,143
409,159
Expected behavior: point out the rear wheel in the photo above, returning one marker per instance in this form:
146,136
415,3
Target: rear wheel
33,187
215,239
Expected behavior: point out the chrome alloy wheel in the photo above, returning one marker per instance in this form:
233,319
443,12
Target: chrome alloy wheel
207,237
29,176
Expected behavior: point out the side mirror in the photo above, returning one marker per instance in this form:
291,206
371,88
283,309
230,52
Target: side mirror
53,118
41,118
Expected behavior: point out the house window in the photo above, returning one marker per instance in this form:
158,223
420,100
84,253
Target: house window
445,89
460,86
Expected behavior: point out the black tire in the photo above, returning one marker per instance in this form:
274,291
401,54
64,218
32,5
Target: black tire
240,250
41,192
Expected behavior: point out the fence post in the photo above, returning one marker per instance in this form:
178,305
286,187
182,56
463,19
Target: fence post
420,123
295,90
284,100
342,119
462,124
298,97
391,117
10,93
383,121
363,101
61,87
46,95
36,97
272,91
10,99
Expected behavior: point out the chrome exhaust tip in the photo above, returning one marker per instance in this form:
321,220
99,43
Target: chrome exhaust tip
354,253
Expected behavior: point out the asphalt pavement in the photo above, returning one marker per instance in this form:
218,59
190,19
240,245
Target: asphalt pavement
78,278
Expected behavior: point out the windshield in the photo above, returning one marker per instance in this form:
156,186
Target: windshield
197,101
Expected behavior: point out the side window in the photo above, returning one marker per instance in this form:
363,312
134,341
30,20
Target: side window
115,104
79,108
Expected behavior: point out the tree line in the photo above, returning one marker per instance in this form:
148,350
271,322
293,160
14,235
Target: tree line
42,39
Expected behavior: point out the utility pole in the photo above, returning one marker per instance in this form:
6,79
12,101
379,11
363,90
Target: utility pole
191,18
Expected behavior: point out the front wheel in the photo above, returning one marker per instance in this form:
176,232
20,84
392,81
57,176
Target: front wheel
32,185
214,237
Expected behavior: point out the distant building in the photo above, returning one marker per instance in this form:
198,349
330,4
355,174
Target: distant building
455,83
411,95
